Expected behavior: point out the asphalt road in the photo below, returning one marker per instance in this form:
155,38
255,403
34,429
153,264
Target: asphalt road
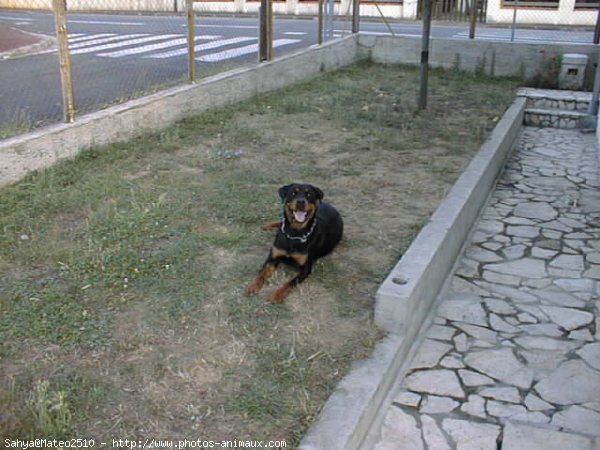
116,57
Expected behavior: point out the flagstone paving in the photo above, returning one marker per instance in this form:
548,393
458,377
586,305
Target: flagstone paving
512,359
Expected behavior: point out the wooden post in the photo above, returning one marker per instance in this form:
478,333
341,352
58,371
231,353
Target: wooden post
60,19
191,37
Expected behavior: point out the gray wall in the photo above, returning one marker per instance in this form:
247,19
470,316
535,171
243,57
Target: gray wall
490,58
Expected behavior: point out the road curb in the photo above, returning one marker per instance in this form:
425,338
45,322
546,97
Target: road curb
409,293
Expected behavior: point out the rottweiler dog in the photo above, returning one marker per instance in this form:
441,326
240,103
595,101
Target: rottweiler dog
309,229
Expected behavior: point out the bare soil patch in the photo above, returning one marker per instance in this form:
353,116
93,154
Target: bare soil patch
122,273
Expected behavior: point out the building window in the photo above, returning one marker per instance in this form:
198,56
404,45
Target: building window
587,4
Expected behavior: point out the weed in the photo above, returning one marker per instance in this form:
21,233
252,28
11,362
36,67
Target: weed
50,411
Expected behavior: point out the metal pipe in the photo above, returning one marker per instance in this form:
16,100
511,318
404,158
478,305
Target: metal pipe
422,101
514,21
593,108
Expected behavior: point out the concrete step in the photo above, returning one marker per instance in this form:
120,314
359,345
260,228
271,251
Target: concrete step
553,118
556,99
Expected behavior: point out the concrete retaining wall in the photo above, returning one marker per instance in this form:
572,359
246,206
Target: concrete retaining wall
409,291
490,58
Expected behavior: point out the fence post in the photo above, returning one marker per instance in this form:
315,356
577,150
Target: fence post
514,21
355,15
265,50
424,76
473,18
191,26
329,19
60,20
593,108
321,21
597,29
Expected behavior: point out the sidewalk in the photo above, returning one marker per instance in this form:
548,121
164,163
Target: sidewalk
512,358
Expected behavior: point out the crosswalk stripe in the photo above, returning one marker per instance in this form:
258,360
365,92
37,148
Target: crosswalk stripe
239,51
76,38
98,48
202,47
79,35
95,40
151,47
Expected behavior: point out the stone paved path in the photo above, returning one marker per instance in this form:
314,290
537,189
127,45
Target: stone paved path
512,359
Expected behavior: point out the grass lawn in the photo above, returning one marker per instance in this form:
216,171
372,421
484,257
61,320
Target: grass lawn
122,273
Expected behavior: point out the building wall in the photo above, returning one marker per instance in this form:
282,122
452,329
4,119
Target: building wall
565,14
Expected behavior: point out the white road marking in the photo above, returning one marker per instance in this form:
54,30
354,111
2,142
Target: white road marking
152,47
233,53
77,38
98,48
100,22
95,40
241,27
199,48
12,19
528,36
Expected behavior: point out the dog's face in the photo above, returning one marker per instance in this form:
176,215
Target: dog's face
300,203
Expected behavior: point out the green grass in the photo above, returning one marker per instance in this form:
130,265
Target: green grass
122,272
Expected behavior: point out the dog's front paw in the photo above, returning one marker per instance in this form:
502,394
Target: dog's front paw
280,294
254,287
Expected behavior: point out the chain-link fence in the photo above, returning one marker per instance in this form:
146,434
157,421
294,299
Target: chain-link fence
111,51
117,50
551,21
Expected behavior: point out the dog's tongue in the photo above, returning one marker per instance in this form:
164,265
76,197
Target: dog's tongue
300,216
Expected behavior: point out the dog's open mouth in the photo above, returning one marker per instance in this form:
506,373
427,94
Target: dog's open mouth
300,216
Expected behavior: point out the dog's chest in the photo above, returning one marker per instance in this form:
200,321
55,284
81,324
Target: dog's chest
296,257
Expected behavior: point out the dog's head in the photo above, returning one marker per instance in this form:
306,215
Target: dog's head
300,203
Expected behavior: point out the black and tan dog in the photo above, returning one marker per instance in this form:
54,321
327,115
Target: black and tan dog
309,230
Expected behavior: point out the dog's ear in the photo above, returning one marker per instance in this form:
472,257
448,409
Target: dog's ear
283,191
318,192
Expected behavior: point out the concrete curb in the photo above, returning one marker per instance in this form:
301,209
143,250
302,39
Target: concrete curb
408,294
